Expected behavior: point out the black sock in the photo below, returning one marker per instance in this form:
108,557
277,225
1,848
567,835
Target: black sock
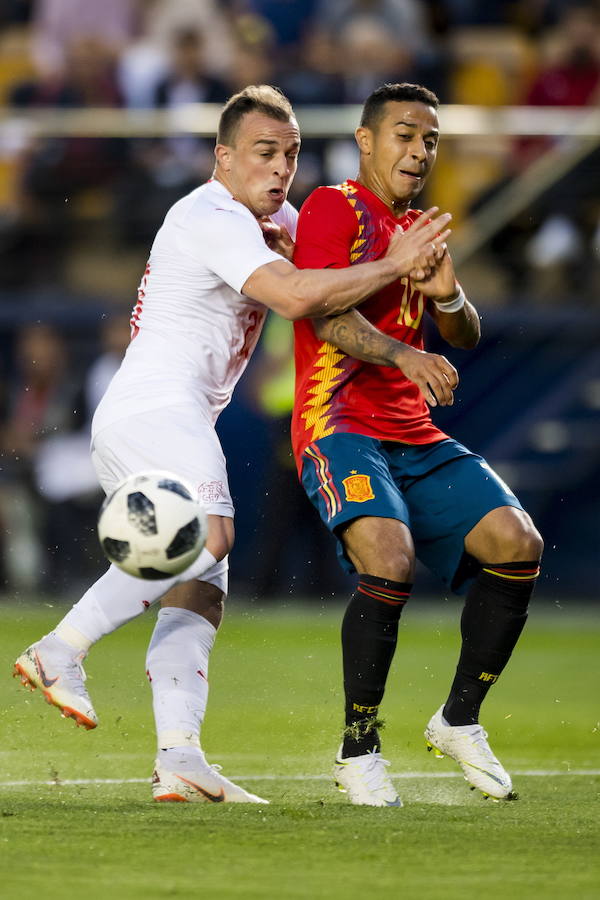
369,635
493,618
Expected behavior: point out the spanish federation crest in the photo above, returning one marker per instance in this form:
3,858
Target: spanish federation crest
358,488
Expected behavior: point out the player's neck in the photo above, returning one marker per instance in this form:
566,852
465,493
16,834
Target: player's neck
236,195
396,207
218,176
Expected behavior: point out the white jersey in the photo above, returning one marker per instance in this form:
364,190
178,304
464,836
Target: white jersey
193,329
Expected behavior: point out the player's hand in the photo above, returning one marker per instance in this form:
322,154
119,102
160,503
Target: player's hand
421,274
277,237
436,378
436,281
419,248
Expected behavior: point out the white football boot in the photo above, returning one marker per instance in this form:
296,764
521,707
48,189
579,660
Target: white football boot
60,677
468,746
365,780
195,781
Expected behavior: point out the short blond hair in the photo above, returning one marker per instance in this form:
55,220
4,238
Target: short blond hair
263,98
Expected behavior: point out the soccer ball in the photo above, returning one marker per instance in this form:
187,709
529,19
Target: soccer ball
152,526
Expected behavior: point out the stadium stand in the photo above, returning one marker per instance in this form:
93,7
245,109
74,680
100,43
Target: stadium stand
77,212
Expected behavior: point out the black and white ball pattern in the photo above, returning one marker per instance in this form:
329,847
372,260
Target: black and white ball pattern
152,526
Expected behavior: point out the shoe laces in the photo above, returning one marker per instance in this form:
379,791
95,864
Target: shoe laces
75,672
374,774
225,782
479,737
214,767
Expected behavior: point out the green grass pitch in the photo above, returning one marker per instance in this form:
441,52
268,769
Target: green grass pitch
273,723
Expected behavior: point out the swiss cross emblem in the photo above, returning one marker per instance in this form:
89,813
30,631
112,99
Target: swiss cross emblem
358,488
211,491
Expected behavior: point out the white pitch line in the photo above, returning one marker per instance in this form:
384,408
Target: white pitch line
535,773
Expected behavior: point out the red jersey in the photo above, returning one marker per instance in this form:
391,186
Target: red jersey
338,227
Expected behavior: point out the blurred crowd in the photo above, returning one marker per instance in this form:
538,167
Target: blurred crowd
164,53
78,214
49,493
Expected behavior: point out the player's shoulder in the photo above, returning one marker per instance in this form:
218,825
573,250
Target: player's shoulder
192,205
329,198
204,222
210,198
209,211
333,192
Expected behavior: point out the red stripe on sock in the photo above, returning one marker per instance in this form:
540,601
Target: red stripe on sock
389,591
387,600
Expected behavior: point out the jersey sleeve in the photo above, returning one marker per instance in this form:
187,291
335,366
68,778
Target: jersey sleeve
228,243
327,229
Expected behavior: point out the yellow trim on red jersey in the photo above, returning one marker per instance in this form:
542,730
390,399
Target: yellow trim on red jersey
317,406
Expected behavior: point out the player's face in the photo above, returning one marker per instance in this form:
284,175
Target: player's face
398,154
260,167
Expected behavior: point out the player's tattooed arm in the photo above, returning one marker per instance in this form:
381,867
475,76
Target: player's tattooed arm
355,335
435,377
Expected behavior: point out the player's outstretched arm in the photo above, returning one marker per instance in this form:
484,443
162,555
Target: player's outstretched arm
303,293
435,377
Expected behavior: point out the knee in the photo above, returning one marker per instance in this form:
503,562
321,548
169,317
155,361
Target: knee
519,538
533,544
398,565
380,547
403,565
524,542
505,535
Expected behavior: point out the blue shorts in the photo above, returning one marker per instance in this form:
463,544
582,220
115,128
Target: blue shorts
440,491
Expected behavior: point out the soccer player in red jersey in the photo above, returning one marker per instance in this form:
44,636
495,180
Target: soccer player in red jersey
387,482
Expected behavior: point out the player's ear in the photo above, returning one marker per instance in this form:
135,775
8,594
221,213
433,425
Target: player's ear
363,138
223,156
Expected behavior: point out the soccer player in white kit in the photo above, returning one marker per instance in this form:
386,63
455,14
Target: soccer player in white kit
201,305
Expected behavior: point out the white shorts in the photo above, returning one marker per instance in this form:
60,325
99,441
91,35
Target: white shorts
181,439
